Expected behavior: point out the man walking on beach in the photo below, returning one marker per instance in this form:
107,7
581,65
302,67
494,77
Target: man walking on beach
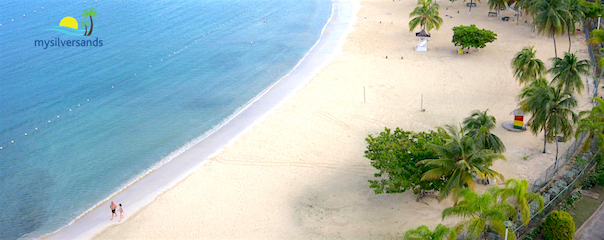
113,207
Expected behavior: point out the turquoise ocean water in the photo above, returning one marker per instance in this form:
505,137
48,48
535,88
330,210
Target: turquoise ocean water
78,123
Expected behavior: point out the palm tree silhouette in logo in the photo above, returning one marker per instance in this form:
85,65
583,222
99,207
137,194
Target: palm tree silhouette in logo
90,14
85,23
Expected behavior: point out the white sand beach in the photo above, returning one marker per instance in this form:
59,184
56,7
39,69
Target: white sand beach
302,174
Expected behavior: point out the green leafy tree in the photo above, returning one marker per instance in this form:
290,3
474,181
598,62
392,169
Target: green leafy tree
423,233
90,14
552,110
550,18
592,122
479,126
567,72
482,214
85,23
517,191
426,15
460,160
470,36
592,9
395,155
527,67
558,225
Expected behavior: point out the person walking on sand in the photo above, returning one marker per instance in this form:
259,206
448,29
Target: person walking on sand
121,212
113,207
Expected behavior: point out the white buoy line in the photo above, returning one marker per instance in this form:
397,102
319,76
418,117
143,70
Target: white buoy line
2,147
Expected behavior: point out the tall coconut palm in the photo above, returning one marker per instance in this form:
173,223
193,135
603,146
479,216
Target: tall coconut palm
460,160
422,232
482,214
90,14
592,122
567,72
426,15
479,126
576,14
552,110
527,66
85,23
550,18
517,191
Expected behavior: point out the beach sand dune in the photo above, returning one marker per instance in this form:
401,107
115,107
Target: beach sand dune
302,174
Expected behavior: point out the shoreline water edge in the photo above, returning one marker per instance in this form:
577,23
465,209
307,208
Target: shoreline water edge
181,163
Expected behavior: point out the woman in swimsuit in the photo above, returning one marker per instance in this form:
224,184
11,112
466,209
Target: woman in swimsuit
121,212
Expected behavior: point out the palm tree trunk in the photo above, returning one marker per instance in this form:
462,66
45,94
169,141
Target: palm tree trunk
568,32
556,163
86,30
470,12
92,25
544,141
553,36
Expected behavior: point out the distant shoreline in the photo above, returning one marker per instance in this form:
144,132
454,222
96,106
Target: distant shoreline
189,158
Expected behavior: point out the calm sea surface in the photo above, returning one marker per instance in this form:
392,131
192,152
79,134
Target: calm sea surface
77,123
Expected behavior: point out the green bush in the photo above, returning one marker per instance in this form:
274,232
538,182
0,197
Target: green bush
558,225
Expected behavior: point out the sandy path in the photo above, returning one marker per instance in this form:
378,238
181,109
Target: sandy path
301,173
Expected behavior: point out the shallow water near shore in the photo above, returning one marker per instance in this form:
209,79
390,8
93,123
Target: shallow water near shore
78,123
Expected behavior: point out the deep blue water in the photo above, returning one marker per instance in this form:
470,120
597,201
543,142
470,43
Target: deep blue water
77,123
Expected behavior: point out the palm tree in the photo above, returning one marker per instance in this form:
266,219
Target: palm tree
90,14
497,4
482,214
85,23
526,66
427,16
551,108
567,72
517,190
576,14
550,18
596,36
423,233
460,160
592,122
479,126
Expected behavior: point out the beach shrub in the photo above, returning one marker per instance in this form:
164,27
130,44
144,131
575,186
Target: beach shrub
571,201
471,36
422,232
558,225
395,155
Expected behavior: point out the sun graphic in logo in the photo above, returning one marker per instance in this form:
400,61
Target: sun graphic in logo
69,25
69,22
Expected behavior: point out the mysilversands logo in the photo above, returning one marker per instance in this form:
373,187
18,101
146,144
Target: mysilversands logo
69,26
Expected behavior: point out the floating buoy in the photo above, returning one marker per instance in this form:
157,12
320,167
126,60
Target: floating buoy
78,105
48,120
23,15
0,147
84,1
25,134
111,86
12,20
57,116
70,109
149,65
12,141
161,60
36,128
42,8
34,11
87,100
0,25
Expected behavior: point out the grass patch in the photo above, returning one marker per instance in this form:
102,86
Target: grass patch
586,206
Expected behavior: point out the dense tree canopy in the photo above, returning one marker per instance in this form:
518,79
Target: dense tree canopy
395,155
471,36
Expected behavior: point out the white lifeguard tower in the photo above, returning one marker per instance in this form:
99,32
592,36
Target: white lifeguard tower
423,37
